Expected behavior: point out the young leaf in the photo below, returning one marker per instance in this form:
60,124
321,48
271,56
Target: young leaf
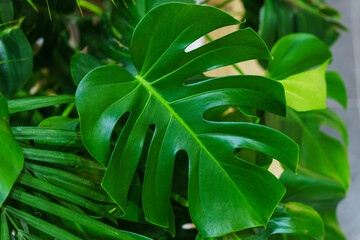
160,96
306,91
12,159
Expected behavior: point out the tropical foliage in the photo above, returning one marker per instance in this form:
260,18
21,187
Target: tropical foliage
111,128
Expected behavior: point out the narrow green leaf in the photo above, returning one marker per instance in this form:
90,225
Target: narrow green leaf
29,236
69,181
38,133
60,158
12,159
64,194
4,229
40,224
30,103
91,7
30,2
94,226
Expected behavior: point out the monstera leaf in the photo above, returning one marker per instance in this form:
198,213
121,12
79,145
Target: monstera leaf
323,175
225,193
292,219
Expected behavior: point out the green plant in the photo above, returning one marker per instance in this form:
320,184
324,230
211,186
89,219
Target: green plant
157,143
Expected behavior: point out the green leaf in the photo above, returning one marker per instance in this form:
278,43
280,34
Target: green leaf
30,103
11,156
48,188
323,176
320,192
298,219
81,64
41,224
330,153
69,181
161,97
16,61
92,225
292,219
296,53
60,122
336,88
50,134
306,91
280,18
6,11
60,158
4,227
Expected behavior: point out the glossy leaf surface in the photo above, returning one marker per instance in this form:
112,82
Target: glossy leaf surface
296,53
290,221
294,58
306,91
12,159
161,97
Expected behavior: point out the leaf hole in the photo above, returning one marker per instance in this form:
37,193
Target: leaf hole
327,130
145,150
229,114
118,129
210,37
181,173
253,157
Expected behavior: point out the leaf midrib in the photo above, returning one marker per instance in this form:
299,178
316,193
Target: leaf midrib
166,104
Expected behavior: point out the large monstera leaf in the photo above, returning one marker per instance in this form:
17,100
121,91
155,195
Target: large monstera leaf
225,193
